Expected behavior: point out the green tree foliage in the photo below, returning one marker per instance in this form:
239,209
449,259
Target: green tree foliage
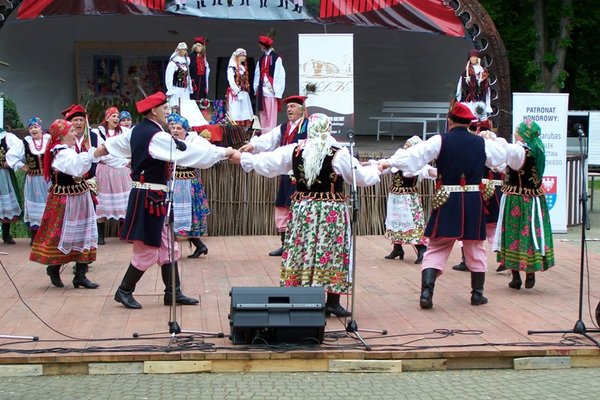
569,26
11,116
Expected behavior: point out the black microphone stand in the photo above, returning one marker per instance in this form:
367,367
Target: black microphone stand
352,327
174,328
579,327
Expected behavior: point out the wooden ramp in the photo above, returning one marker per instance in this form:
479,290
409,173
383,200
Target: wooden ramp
80,330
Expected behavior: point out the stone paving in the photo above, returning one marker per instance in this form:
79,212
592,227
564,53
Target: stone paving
581,383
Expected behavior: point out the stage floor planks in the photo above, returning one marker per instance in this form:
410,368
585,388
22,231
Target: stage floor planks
464,336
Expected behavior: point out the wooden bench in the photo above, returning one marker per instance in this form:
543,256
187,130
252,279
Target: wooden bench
411,112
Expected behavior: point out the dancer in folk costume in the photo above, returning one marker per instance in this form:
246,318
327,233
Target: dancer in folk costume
460,160
28,156
317,241
177,76
199,69
269,83
125,119
238,92
113,176
287,133
10,210
68,230
151,150
405,221
492,193
523,235
473,87
190,205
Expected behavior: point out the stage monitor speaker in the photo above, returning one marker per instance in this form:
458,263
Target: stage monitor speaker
261,315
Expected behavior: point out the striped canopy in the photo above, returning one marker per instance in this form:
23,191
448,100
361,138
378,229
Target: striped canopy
430,16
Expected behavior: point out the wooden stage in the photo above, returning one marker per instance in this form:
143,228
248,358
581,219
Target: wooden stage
71,323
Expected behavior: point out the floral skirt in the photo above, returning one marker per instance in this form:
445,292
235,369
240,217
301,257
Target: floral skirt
405,222
317,246
190,208
524,235
68,231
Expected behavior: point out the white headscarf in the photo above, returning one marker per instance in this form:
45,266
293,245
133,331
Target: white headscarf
317,146
237,53
180,46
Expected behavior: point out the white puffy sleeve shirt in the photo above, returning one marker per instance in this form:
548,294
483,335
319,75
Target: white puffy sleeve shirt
279,162
416,157
162,147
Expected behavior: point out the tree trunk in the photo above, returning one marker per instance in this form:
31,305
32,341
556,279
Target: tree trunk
551,59
562,44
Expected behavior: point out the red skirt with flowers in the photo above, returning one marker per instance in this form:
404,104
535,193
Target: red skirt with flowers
45,249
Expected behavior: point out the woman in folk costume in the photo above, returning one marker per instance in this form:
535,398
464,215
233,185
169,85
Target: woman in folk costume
68,231
177,76
524,235
28,156
317,241
238,96
113,176
190,205
405,221
9,203
125,119
473,87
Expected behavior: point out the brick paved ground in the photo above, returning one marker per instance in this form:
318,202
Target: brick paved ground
581,383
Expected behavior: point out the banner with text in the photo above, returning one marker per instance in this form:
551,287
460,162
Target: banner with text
326,69
549,111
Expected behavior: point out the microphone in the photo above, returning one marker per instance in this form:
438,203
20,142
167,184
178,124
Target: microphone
350,135
579,129
179,144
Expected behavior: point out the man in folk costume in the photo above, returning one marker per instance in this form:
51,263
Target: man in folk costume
85,139
287,133
199,69
9,203
461,158
151,150
269,83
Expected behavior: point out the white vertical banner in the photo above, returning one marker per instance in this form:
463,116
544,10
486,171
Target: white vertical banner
594,138
1,112
549,111
326,63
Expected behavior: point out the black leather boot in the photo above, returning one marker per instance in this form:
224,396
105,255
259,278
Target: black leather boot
421,249
428,277
124,294
80,279
516,280
279,251
200,248
397,251
180,298
333,306
529,280
477,281
101,233
53,272
33,235
6,233
463,265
